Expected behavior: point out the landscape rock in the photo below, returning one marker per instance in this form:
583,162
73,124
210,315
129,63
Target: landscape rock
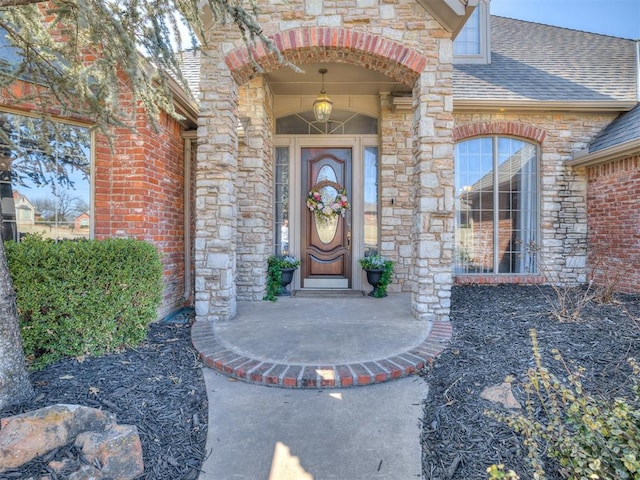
501,394
26,436
117,450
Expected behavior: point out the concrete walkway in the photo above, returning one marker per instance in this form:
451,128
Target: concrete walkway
316,429
363,433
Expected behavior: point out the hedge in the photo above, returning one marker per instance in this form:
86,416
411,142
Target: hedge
83,297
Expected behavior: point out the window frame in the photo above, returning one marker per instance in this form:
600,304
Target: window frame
484,29
91,156
495,208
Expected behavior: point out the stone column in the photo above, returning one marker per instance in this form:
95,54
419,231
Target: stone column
433,174
396,191
216,174
255,190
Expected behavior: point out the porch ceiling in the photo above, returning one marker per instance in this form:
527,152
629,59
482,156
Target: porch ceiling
340,79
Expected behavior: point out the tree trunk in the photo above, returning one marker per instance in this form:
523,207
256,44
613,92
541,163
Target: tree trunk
15,386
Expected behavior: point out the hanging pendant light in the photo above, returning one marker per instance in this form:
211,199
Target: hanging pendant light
323,105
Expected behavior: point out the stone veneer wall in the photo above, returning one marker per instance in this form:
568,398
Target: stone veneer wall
563,191
433,153
255,190
614,223
399,39
216,174
397,193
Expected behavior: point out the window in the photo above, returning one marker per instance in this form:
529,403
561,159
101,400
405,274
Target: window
471,45
45,183
371,209
282,200
468,40
496,205
10,56
341,122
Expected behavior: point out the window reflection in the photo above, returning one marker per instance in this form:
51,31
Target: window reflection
371,214
468,40
282,201
496,205
44,178
326,228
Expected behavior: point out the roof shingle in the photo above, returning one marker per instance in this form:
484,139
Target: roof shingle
530,61
623,129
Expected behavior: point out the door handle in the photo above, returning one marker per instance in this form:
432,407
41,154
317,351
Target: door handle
348,240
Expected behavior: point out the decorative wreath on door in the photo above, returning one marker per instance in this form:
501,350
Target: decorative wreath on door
326,209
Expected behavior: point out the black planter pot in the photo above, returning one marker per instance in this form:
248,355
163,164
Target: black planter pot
287,277
374,277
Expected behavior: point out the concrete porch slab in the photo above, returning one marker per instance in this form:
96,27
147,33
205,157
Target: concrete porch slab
316,342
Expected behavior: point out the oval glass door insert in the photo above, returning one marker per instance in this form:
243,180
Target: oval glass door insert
326,227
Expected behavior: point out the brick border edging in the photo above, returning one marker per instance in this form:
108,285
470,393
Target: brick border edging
223,359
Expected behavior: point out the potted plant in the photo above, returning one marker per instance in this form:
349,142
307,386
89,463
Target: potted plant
279,275
379,272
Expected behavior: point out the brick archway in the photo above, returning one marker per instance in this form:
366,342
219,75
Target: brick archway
530,132
326,44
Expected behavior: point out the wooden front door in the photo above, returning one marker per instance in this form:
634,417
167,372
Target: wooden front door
326,242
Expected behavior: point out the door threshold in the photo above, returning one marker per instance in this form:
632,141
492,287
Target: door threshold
328,292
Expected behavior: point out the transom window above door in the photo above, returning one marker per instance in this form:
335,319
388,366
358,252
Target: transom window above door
341,122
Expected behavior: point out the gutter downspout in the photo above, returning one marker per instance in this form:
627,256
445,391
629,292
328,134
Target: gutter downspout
188,138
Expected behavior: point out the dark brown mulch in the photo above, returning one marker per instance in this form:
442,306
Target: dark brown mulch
158,387
491,341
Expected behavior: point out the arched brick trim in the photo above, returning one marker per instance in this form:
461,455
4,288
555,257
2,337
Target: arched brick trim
530,132
325,44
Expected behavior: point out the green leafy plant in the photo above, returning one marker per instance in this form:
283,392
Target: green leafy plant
274,274
83,297
496,472
377,262
590,438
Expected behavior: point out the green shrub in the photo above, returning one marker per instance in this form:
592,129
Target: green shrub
83,297
590,438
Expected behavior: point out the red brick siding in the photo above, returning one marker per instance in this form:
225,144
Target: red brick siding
139,185
489,279
614,223
138,189
508,128
139,193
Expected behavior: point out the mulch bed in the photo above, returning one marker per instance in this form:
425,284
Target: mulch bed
158,387
491,341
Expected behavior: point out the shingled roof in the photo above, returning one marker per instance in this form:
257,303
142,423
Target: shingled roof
623,129
535,62
531,62
190,67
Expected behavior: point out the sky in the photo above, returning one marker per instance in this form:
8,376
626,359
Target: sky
619,18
